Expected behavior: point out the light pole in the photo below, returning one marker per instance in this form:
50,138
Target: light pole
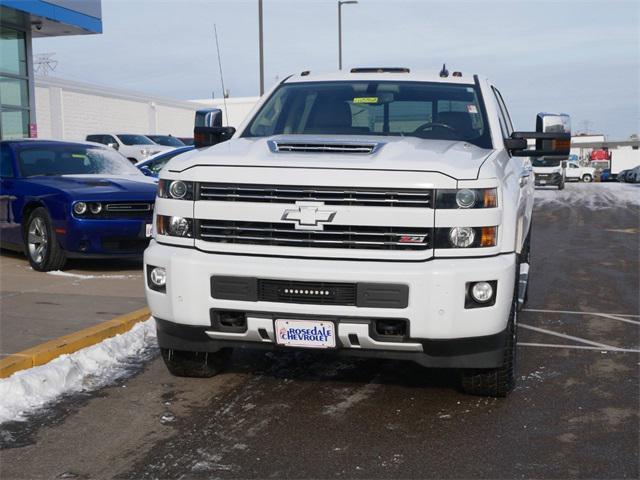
261,47
340,3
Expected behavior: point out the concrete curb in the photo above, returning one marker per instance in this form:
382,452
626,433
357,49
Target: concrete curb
47,351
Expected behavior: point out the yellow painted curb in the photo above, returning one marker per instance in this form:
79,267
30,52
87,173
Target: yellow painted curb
47,351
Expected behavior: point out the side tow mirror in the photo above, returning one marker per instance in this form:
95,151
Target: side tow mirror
563,164
552,136
208,129
115,146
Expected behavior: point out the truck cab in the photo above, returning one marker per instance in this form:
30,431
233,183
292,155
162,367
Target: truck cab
377,213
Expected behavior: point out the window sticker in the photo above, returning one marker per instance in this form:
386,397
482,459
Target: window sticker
365,100
471,108
78,155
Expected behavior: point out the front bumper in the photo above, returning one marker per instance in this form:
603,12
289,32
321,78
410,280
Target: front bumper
435,311
543,179
104,238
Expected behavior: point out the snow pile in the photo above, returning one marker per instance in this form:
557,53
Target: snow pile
87,369
60,273
595,196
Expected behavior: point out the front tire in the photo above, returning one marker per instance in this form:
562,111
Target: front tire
497,382
41,244
181,363
587,178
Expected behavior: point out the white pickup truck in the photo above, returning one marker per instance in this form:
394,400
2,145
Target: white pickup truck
377,213
579,173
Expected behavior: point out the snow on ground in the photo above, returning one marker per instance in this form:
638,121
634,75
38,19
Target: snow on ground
93,367
60,273
595,196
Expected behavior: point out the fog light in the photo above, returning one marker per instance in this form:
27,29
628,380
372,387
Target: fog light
158,277
462,237
80,208
465,198
482,292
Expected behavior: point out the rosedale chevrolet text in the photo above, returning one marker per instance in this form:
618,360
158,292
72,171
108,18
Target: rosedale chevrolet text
377,213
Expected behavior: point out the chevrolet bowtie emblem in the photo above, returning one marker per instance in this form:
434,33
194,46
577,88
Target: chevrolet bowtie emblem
308,215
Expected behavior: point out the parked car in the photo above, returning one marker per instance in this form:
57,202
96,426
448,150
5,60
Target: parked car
621,177
633,175
186,140
378,213
134,147
578,173
152,166
166,140
66,200
605,175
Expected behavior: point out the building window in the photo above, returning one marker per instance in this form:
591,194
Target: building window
14,84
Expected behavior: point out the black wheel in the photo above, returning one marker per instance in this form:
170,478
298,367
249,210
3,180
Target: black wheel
587,178
194,364
496,382
41,244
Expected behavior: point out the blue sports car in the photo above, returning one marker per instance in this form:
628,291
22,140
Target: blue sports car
62,200
152,166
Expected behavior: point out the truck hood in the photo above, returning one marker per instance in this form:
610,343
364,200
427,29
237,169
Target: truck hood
457,159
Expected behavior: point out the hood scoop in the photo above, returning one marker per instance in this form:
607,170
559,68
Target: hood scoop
323,146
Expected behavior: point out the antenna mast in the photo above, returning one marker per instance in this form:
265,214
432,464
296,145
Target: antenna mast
224,92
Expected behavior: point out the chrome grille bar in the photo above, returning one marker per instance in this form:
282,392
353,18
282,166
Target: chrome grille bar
413,198
333,236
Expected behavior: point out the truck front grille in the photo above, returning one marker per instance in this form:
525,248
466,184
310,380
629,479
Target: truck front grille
368,197
332,236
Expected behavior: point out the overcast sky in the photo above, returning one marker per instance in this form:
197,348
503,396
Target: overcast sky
582,58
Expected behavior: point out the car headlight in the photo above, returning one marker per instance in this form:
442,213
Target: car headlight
174,226
466,237
467,198
176,189
95,208
79,208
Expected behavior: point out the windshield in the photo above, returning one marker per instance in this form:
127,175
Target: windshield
545,162
425,110
73,160
167,140
135,140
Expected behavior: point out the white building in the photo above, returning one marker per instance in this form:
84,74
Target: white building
69,110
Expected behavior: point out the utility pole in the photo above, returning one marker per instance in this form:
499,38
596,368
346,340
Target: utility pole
260,41
340,3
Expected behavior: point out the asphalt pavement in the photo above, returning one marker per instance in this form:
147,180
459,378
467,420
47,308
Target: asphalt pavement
574,413
36,307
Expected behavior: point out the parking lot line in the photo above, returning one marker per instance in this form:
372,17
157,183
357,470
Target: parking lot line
568,337
578,347
616,316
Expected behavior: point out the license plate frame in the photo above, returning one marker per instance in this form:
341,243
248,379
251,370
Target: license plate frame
283,325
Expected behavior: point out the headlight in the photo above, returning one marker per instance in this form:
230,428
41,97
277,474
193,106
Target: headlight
177,189
79,208
95,208
461,237
466,237
467,198
174,226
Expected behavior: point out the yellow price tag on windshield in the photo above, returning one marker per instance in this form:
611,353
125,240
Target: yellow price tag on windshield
78,155
365,100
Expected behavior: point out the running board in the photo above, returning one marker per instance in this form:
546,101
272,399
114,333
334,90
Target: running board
522,283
